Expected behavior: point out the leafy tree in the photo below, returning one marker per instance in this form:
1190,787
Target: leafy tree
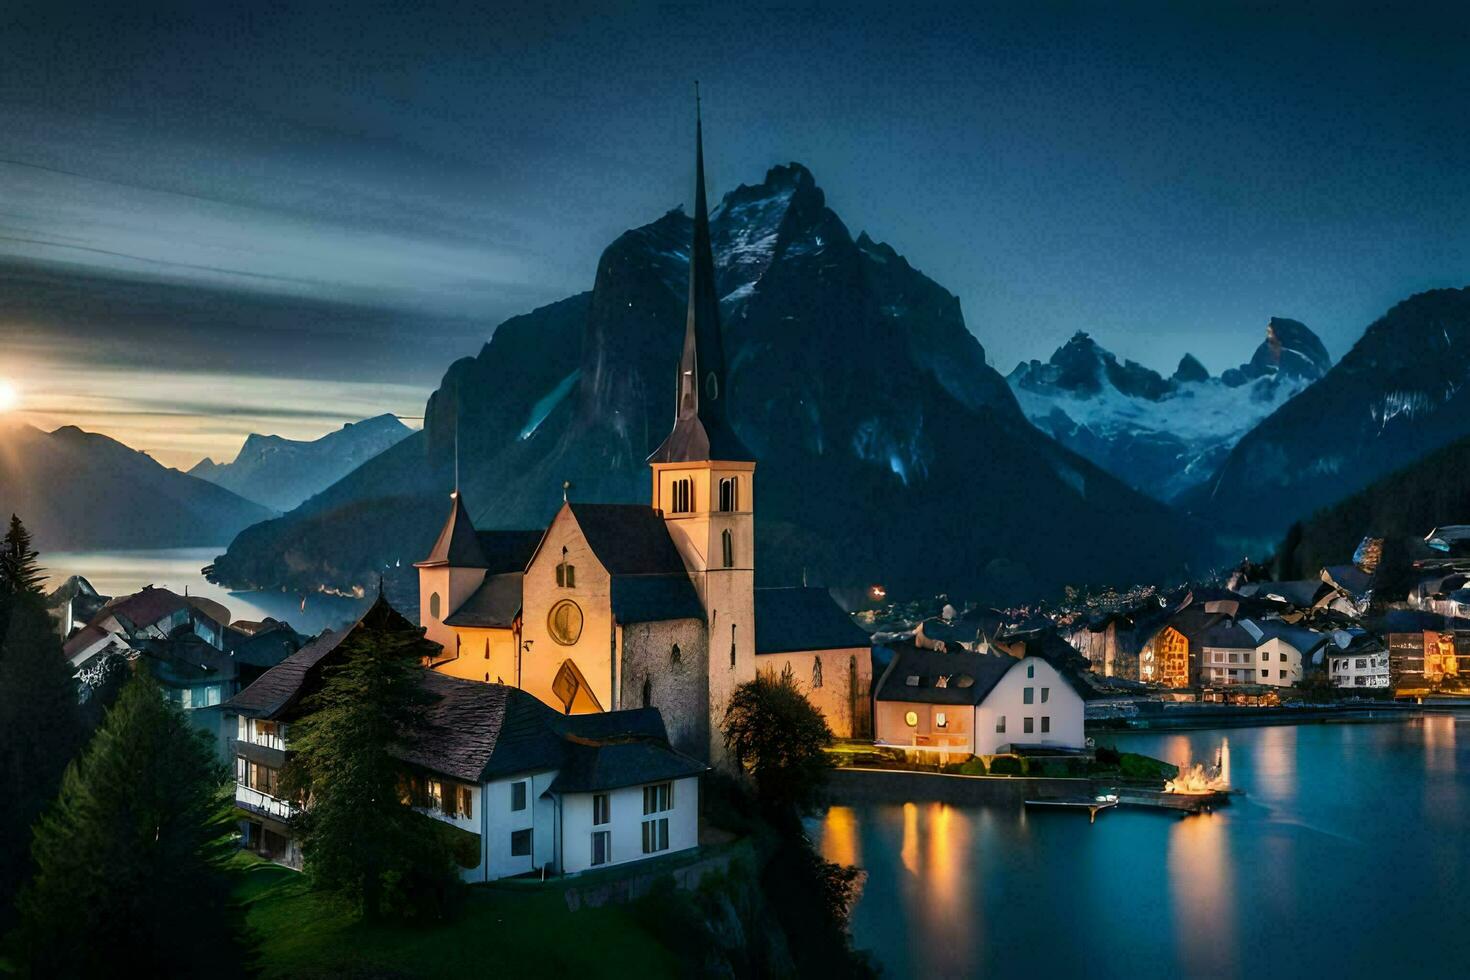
360,840
131,861
775,734
39,733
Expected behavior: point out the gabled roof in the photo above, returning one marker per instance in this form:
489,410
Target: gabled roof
281,688
508,551
494,605
458,544
793,619
145,607
629,539
934,677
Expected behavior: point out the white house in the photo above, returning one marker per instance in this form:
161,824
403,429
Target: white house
975,703
1355,659
530,788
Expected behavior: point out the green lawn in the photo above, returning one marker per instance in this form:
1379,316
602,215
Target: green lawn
513,931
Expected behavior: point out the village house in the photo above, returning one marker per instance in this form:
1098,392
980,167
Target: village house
617,606
1357,659
958,702
527,787
1425,651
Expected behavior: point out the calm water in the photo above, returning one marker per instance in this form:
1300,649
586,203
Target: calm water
1348,857
122,572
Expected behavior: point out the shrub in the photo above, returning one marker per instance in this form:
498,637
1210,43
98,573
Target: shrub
1007,765
1108,756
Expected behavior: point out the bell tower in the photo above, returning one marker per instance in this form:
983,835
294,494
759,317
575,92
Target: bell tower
704,478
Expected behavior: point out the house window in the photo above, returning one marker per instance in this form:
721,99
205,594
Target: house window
601,810
466,801
1030,670
1028,725
1000,725
658,797
911,719
1046,723
434,605
564,622
730,494
727,548
518,795
1045,693
1028,695
601,847
436,794
1265,674
683,496
520,843
655,835
816,672
940,720
1283,656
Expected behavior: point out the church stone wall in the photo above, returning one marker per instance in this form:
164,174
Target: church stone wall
679,689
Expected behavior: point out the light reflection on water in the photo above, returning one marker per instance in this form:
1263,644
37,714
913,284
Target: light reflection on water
1348,839
118,573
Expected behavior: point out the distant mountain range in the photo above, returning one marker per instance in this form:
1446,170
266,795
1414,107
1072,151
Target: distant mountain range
1400,393
889,450
78,491
282,473
1161,435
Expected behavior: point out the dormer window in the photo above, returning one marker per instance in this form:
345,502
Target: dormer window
730,494
566,573
683,496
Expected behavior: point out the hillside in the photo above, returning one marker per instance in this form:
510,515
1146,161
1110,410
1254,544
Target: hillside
282,473
79,491
1400,393
889,450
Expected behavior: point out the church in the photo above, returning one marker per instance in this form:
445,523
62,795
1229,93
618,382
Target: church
651,604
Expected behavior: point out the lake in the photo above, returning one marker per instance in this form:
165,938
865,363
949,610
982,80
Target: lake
118,573
1349,856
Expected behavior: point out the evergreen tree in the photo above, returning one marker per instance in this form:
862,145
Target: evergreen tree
39,733
131,861
778,737
19,571
360,839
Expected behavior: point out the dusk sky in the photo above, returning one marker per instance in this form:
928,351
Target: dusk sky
281,218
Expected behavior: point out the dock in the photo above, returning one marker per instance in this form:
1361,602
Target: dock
1092,804
1154,799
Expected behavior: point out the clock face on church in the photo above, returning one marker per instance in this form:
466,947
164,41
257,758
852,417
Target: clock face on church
564,622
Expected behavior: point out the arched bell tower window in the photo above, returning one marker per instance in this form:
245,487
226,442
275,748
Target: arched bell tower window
566,573
727,548
683,496
647,693
730,494
732,646
434,605
674,654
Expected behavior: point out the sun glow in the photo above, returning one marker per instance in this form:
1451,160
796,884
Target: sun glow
9,396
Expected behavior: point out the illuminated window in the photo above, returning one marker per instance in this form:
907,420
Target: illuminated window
727,548
940,721
912,719
466,801
730,494
434,605
564,622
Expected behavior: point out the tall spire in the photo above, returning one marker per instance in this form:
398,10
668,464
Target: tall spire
701,426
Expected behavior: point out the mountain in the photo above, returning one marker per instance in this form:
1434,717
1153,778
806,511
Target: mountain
1163,436
80,491
282,473
889,450
1400,393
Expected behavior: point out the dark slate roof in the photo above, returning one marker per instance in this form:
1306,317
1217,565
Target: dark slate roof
144,608
186,658
508,551
279,688
629,539
983,671
1228,634
792,619
495,603
1351,578
480,732
458,544
654,598
265,647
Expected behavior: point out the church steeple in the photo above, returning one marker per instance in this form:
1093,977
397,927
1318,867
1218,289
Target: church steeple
701,425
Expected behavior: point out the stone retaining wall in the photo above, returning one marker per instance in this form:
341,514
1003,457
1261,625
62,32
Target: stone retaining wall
845,786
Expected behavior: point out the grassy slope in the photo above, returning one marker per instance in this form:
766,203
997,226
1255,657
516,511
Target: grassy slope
508,931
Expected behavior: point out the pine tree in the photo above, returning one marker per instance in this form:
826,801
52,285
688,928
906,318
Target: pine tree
19,570
360,840
39,733
131,861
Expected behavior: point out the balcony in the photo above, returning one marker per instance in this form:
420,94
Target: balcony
257,802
